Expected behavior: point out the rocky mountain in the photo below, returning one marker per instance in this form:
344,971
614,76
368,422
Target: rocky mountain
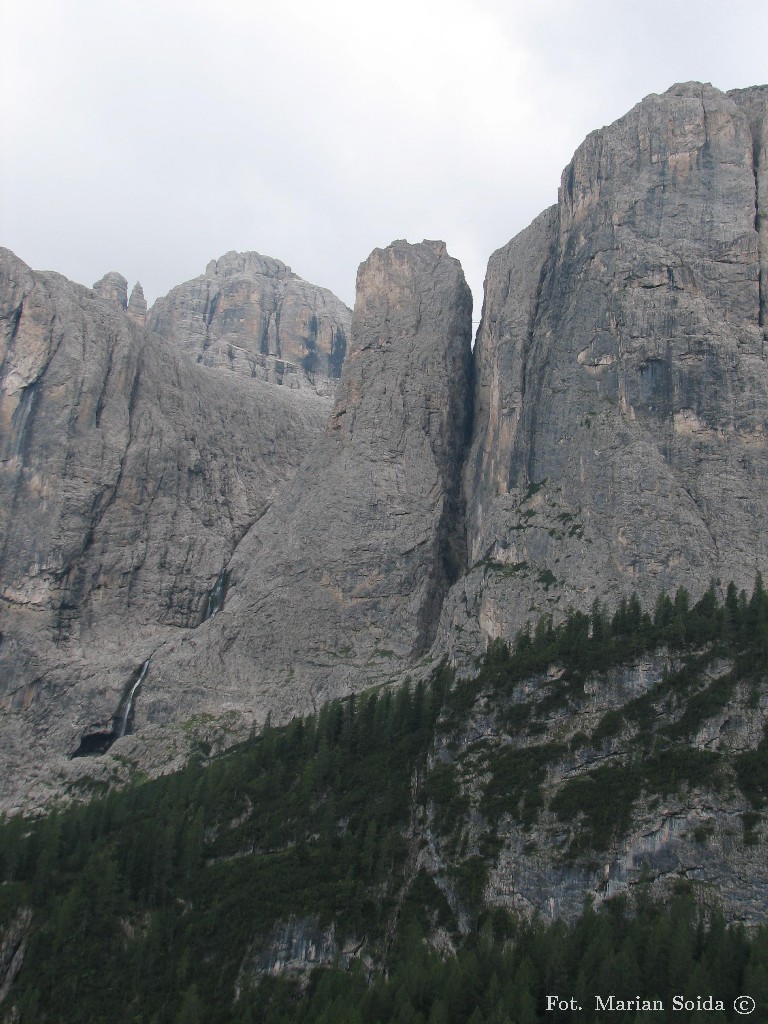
617,437
621,397
128,476
251,314
114,288
607,436
342,580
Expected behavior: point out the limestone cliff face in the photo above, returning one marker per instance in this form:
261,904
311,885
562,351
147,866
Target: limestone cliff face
607,436
251,314
342,580
128,475
622,387
114,288
564,732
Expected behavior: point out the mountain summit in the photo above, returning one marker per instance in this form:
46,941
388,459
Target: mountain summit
621,397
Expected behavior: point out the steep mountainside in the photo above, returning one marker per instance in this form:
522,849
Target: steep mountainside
618,431
621,396
251,314
342,580
128,476
607,436
582,819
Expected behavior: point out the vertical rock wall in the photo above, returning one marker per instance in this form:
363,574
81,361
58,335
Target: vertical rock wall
622,384
618,409
251,314
341,583
127,477
754,105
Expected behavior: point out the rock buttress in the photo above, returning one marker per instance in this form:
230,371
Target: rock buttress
340,584
252,315
621,382
127,476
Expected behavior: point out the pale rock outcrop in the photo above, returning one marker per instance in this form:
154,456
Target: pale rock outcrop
340,584
621,393
137,305
114,288
251,314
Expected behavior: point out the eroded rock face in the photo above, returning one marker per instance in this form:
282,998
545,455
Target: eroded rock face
550,857
137,305
296,947
128,476
114,288
251,314
13,939
621,400
618,444
753,103
342,580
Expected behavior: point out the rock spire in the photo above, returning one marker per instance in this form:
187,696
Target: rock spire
342,581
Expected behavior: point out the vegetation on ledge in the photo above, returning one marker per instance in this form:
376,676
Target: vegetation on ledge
156,904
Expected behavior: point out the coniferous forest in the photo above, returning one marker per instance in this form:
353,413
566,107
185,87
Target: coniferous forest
164,902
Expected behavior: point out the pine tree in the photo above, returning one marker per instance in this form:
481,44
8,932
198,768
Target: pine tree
191,1010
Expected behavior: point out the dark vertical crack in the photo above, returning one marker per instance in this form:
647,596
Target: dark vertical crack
462,499
264,340
533,325
278,351
761,283
450,544
338,351
754,111
103,393
15,446
15,321
209,312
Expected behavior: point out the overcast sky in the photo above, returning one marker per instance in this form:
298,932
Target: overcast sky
150,137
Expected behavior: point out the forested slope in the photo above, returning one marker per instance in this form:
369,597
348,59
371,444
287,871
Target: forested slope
370,863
